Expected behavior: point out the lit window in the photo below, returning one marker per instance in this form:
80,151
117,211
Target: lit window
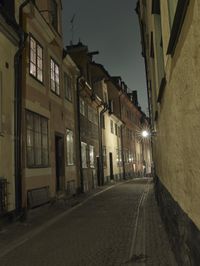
84,154
91,155
68,87
55,77
37,140
70,147
36,59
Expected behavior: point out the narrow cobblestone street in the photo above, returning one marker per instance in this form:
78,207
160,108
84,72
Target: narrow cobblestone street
120,226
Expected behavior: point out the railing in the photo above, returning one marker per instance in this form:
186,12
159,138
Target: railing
3,196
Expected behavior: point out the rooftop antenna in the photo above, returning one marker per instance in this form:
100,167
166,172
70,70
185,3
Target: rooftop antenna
72,29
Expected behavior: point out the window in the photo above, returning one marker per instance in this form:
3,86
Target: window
37,140
111,126
116,129
68,87
82,107
55,77
1,102
54,14
84,154
70,147
91,155
119,132
36,59
177,12
104,156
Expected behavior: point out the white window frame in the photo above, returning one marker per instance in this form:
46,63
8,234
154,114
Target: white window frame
84,154
55,77
36,59
70,146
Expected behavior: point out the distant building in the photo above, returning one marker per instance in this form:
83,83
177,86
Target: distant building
88,119
170,37
110,124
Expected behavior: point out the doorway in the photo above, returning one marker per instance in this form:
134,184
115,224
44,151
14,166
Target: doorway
111,165
59,160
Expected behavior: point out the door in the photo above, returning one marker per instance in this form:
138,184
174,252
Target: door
59,160
111,165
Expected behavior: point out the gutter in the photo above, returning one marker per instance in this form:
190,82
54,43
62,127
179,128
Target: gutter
18,112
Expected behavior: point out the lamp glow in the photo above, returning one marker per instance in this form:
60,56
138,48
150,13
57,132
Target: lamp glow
145,133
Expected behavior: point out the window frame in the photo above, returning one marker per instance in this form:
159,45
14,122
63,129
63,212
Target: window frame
38,44
179,16
68,87
91,158
69,148
56,89
41,135
84,163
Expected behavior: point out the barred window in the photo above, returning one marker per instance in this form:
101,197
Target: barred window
36,59
36,140
55,77
70,147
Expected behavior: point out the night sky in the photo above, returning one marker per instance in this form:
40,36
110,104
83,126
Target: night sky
110,27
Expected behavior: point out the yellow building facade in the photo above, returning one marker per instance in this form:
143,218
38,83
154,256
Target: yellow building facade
170,40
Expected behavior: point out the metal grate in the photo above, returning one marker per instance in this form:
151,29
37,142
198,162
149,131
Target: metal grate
3,196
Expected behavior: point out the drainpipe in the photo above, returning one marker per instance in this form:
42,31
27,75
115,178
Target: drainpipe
79,132
18,111
101,144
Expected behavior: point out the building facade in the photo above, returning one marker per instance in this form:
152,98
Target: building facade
170,45
49,159
9,43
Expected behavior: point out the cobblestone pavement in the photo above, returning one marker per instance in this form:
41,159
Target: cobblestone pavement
119,227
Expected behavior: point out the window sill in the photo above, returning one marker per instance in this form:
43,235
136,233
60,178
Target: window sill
41,82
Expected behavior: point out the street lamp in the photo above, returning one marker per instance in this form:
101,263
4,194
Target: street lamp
145,133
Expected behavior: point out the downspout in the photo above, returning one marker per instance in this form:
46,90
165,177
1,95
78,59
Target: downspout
79,132
18,111
101,144
122,142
